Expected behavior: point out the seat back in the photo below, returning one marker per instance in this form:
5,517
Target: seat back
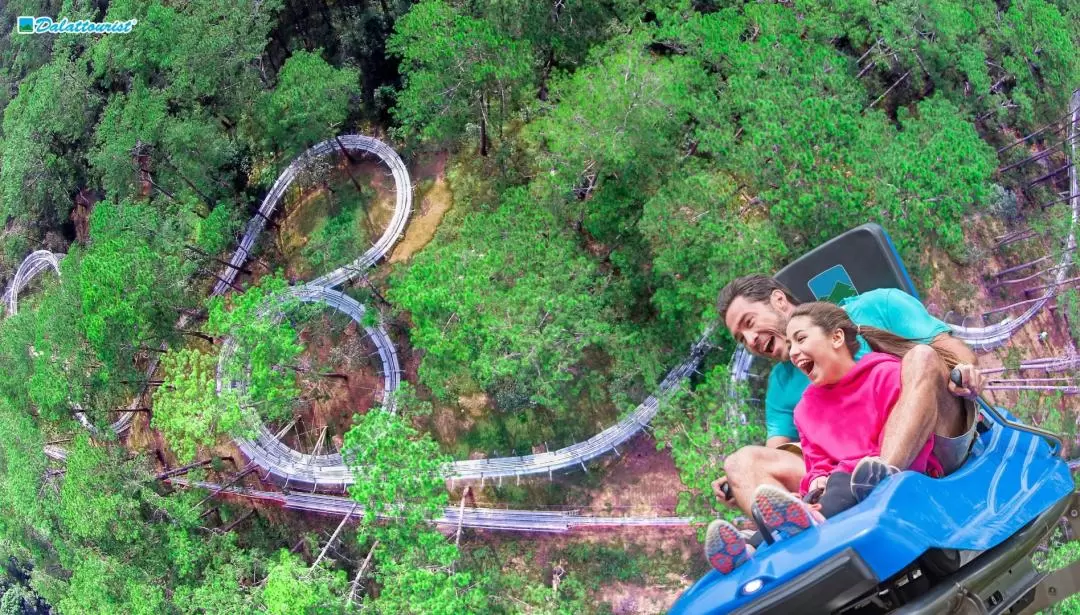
859,260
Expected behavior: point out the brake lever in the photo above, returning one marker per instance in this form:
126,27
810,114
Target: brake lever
1056,445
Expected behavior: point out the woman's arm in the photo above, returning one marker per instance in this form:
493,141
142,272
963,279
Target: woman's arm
817,462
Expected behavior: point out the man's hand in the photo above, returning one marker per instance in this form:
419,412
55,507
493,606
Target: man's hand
972,382
718,490
818,483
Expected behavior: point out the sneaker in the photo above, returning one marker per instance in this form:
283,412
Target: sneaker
725,547
867,474
783,512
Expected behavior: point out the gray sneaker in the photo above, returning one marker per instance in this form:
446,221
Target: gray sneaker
867,474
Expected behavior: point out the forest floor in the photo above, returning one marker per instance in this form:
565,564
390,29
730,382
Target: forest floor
965,290
634,573
431,200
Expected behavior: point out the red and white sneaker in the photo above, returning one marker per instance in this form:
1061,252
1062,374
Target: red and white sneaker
783,512
725,547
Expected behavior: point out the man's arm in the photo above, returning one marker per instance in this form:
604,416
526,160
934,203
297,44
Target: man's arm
972,378
777,441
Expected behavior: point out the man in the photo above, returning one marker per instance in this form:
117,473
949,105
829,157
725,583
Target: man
755,310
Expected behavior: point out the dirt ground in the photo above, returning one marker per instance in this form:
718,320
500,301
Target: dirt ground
966,291
429,207
642,482
331,401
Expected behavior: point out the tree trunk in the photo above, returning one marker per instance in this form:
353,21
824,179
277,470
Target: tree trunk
248,470
483,126
344,151
334,536
197,334
228,528
360,574
548,65
183,469
206,200
197,314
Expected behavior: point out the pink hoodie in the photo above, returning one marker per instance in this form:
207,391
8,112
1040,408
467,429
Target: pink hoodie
841,423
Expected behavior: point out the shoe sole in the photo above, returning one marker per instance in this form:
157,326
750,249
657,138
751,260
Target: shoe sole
866,477
782,512
727,546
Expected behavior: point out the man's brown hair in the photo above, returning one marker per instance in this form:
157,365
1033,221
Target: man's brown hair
753,287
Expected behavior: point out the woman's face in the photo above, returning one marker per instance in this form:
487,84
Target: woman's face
821,356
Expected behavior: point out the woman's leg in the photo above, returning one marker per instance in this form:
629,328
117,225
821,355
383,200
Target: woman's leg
837,497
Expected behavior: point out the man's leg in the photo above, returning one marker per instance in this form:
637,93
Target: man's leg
751,466
925,407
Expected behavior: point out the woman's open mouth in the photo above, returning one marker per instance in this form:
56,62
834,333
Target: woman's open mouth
805,365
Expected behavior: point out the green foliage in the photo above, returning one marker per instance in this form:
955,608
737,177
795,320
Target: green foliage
265,348
398,474
182,151
458,70
308,104
188,410
1070,300
616,128
701,427
291,588
409,405
1007,61
412,585
22,468
44,128
511,297
343,236
702,237
133,278
204,52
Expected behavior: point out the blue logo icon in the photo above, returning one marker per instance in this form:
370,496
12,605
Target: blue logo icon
832,285
26,25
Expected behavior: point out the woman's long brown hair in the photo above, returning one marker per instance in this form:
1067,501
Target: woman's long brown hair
831,317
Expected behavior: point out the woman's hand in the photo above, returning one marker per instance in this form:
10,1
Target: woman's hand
971,381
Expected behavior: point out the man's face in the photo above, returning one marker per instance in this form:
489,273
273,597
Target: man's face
759,326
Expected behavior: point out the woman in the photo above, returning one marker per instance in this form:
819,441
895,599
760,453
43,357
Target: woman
840,420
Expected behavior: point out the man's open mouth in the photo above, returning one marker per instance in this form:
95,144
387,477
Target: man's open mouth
769,345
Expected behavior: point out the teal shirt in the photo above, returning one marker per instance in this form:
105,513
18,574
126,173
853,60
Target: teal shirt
886,308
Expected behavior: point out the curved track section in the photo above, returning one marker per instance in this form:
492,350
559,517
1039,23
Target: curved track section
286,465
291,468
29,269
355,143
985,338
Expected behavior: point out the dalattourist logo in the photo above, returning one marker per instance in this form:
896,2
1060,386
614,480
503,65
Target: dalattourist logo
46,25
